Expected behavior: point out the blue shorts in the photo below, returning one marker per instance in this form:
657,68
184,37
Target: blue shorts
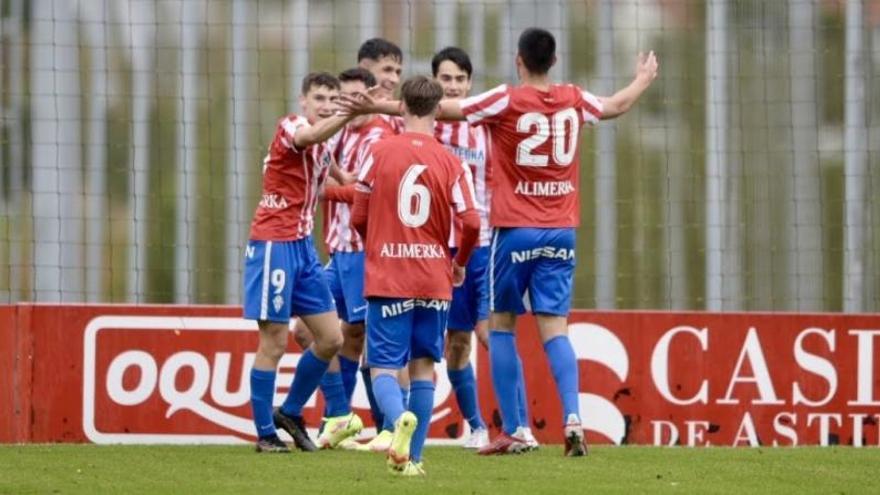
538,263
282,279
345,276
400,329
470,302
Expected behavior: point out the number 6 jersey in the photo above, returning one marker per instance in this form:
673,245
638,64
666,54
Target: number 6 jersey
534,139
413,186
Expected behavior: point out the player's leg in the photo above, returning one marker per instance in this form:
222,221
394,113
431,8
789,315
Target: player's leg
332,385
550,295
507,283
265,276
354,336
469,309
346,277
389,326
351,285
338,382
427,349
524,431
312,301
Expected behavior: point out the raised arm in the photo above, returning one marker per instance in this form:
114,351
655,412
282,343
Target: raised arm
326,128
620,102
450,109
321,131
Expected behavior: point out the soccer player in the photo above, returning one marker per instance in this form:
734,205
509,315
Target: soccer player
533,157
282,275
469,312
384,60
409,270
535,211
345,271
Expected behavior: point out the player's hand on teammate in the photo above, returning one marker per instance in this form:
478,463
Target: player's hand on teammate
358,103
458,273
363,102
647,67
355,104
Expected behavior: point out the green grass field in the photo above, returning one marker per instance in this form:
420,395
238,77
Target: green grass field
190,469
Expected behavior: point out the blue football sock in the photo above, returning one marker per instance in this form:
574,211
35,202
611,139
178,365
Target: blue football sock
375,411
404,393
334,395
503,364
465,386
521,397
348,369
421,402
387,393
262,393
309,372
563,363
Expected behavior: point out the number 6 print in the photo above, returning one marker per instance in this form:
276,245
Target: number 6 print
413,200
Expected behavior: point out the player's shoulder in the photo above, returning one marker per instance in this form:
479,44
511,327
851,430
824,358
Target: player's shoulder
292,119
488,97
392,124
378,128
386,143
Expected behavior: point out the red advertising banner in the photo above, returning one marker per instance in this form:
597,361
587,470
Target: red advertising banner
154,374
174,374
701,379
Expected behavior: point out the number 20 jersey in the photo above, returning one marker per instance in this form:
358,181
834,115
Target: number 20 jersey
534,141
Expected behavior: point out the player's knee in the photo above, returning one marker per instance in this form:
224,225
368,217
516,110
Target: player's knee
273,344
302,336
458,349
329,344
354,338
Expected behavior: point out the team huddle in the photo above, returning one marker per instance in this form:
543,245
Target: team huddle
441,219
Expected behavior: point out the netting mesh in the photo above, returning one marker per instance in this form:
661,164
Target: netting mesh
747,177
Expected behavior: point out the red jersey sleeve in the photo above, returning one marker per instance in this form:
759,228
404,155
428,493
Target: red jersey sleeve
464,204
590,107
340,194
463,196
488,107
290,126
363,188
367,175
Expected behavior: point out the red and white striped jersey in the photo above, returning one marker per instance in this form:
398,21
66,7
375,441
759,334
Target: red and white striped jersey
468,143
346,147
291,180
534,140
395,122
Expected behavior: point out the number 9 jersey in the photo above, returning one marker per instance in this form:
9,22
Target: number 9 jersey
534,139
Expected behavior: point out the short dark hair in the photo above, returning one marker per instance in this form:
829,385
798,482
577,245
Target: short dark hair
421,95
358,74
376,48
315,79
455,55
537,48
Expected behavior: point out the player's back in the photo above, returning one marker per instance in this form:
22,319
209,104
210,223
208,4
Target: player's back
534,151
415,185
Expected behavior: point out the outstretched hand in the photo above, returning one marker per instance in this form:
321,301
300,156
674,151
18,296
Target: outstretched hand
359,103
647,67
